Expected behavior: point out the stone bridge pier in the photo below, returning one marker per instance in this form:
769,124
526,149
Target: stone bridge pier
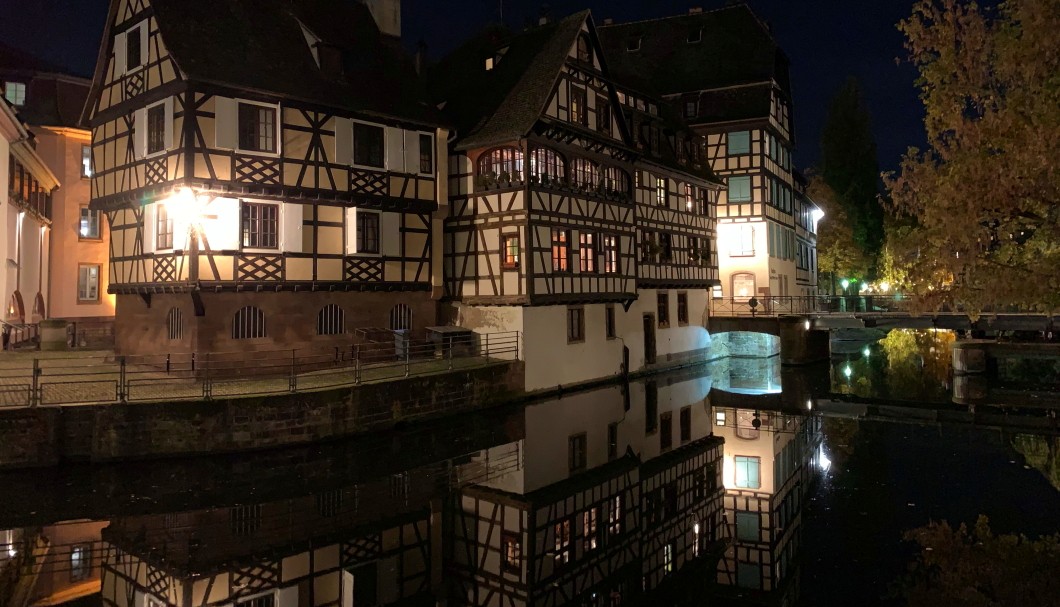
795,338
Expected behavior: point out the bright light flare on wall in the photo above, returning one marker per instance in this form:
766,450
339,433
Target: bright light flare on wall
822,461
185,208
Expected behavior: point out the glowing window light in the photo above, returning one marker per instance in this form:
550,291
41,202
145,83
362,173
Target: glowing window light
847,371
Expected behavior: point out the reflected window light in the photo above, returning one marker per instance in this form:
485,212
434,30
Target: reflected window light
822,461
719,418
866,352
809,404
695,539
847,371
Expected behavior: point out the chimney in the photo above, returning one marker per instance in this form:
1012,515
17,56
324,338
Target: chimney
543,17
695,10
387,15
421,56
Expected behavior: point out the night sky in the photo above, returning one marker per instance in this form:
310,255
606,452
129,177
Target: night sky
826,40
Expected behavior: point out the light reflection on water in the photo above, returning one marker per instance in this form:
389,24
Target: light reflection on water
619,495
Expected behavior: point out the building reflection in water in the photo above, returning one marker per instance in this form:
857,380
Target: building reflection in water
51,564
641,494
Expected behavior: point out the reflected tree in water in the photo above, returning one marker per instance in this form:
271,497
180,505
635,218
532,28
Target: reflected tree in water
918,362
1041,452
974,567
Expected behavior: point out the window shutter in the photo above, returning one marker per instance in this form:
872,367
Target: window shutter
291,230
169,123
145,51
139,132
119,54
288,597
150,228
390,234
343,141
412,152
395,155
225,123
351,231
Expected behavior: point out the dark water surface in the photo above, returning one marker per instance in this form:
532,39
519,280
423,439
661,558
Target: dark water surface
739,483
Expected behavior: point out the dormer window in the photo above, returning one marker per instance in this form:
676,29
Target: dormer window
695,36
15,93
585,49
130,49
134,48
633,44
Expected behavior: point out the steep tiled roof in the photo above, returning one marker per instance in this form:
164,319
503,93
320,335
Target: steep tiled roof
504,103
258,45
53,98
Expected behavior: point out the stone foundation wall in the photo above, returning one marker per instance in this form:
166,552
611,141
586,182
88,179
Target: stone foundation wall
745,344
290,319
50,435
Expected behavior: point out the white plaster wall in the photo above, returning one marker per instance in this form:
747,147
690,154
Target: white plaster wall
7,228
673,340
757,265
551,361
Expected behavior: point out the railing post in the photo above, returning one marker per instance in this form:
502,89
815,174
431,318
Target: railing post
207,387
192,361
407,348
450,353
167,364
357,364
486,350
292,384
122,397
35,388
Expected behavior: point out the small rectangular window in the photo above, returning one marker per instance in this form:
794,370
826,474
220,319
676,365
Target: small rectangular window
367,232
610,254
163,228
563,542
257,128
88,283
740,188
603,115
609,321
156,128
651,408
661,193
587,252
691,108
744,243
134,57
686,424
590,539
575,324
579,112
614,515
560,250
576,452
368,145
86,160
426,154
663,306
80,562
747,526
739,143
89,228
510,252
513,552
747,472
612,441
666,247
261,225
15,93
682,309
666,431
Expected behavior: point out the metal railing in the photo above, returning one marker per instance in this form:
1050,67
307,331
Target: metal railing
776,305
66,380
17,334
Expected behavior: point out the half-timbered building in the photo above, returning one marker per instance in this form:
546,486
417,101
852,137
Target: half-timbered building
615,494
25,222
541,235
269,170
728,79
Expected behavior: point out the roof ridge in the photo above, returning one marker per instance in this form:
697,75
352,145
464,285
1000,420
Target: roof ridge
668,17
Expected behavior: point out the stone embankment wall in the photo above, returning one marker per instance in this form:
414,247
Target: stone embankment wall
46,436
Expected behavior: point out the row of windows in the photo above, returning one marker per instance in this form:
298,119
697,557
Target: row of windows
26,190
780,195
695,198
249,321
547,165
659,248
591,247
576,318
663,309
781,242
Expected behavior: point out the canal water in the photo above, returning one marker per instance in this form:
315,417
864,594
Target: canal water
736,483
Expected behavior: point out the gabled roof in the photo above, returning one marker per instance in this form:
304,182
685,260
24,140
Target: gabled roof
258,45
53,98
734,48
504,103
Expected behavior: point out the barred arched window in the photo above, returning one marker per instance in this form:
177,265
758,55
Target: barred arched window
616,180
585,173
331,320
175,324
545,162
248,323
502,160
400,318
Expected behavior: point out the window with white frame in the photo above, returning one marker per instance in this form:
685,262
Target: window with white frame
747,472
743,241
740,188
15,93
367,232
89,224
743,286
86,160
261,225
369,145
88,283
134,47
257,128
156,128
426,154
163,228
80,562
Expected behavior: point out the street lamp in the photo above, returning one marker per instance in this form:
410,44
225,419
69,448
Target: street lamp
845,283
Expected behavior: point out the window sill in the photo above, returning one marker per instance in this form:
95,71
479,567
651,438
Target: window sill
89,239
742,254
576,341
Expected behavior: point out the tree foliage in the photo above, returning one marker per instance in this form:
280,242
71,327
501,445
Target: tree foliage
850,167
985,194
838,254
975,568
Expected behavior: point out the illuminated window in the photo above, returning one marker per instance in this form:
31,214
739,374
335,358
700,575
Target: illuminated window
563,542
743,242
80,562
579,112
513,552
502,161
88,283
740,188
575,324
369,142
610,254
426,154
560,250
163,228
589,529
89,226
668,557
747,469
585,173
257,128
510,252
86,160
587,252
616,180
15,93
739,143
719,418
743,286
546,163
261,225
585,51
367,232
661,193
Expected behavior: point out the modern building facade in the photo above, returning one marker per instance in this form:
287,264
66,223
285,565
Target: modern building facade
279,198
552,171
51,103
729,80
26,223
